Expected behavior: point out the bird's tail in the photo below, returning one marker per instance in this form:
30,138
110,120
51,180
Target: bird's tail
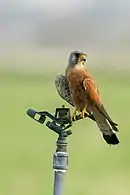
111,139
105,127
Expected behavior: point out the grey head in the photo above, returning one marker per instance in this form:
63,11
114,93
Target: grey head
77,56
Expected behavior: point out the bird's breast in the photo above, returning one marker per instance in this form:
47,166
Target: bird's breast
75,79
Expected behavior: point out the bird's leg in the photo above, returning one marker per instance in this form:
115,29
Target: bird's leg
83,112
74,115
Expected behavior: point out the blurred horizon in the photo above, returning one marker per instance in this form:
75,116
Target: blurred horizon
98,27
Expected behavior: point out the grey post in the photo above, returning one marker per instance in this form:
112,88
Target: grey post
60,165
58,124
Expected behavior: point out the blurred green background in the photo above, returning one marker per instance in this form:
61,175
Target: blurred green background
26,147
35,40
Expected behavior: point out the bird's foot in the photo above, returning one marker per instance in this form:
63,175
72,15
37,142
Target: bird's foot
83,113
73,117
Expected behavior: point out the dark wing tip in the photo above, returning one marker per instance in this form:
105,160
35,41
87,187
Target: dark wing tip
113,123
114,126
111,139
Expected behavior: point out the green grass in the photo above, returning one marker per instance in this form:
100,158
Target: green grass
26,147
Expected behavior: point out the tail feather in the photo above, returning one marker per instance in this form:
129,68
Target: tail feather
105,127
111,139
102,110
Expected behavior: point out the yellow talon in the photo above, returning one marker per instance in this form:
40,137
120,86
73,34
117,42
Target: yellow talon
83,112
73,118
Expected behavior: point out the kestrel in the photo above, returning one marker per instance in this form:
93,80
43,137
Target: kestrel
63,90
84,95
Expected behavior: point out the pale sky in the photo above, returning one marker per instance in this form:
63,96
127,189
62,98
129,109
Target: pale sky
56,3
47,4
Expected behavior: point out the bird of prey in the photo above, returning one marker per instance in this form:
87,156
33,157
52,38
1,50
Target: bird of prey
63,90
80,90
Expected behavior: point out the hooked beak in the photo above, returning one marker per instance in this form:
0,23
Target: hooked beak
83,58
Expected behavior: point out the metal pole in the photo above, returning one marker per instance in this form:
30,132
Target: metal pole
59,124
60,165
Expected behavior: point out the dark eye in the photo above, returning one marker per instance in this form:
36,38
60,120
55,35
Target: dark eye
77,55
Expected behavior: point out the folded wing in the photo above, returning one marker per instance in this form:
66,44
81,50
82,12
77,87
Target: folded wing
104,122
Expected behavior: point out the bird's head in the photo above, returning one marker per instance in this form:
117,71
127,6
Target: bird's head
77,57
